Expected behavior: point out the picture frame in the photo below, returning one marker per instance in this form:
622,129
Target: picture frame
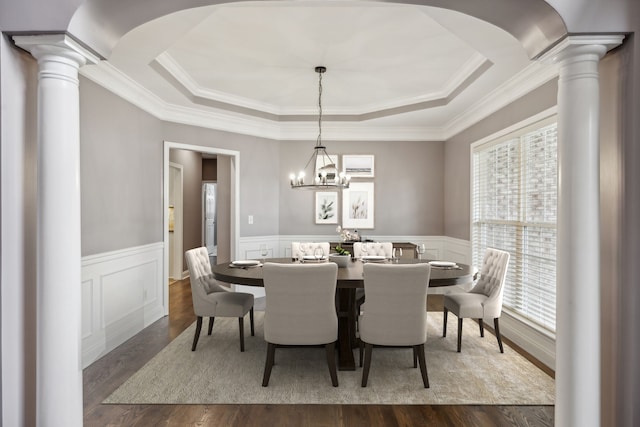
326,211
358,165
358,205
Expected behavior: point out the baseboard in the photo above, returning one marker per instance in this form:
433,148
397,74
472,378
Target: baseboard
538,344
122,293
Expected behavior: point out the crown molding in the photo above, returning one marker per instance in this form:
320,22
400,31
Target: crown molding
532,77
112,79
470,71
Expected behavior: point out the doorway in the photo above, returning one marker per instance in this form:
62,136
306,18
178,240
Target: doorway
227,220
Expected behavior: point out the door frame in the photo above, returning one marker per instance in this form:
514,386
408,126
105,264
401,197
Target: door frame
176,258
234,208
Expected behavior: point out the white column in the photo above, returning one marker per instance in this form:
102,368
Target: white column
58,368
578,292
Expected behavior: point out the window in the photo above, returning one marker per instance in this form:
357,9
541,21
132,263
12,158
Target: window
514,205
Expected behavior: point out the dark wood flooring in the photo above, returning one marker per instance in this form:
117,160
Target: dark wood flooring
107,374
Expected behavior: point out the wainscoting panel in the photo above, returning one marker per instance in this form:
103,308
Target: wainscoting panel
121,295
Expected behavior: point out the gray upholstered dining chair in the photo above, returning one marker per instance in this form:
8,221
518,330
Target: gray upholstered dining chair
300,310
301,249
395,312
484,300
212,300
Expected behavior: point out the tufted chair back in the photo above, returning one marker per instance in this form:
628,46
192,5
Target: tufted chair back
491,281
300,249
373,248
202,281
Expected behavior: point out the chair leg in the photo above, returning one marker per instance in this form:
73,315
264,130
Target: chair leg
211,320
253,332
497,328
241,325
331,360
367,363
415,357
419,349
459,333
444,323
361,348
481,324
271,353
197,335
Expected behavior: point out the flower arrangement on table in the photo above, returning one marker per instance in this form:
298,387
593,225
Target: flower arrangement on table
346,236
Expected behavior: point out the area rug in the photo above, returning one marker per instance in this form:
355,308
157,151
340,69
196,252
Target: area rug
218,373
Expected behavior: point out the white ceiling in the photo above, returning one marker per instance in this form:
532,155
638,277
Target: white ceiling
410,70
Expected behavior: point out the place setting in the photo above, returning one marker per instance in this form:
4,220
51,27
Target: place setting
245,263
318,256
445,265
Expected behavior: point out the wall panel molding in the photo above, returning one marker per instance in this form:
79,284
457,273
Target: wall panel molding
122,293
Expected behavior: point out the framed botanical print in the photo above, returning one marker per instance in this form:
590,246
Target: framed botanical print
358,165
326,207
358,205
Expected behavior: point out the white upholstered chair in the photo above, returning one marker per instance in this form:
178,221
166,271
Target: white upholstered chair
484,300
395,313
373,248
300,310
212,300
300,249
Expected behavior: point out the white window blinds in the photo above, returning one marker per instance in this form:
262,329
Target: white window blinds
514,205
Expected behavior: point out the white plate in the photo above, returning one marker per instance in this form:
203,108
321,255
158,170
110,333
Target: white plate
246,263
312,258
442,263
374,258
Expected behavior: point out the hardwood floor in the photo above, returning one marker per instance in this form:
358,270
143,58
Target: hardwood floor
107,374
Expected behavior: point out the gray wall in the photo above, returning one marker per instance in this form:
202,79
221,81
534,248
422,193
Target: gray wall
120,172
18,221
457,179
613,74
408,187
259,169
628,240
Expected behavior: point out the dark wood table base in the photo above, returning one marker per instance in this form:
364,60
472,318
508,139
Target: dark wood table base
346,328
349,279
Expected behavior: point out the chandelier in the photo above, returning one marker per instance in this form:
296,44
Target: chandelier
320,170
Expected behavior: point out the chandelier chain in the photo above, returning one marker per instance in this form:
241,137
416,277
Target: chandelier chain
319,140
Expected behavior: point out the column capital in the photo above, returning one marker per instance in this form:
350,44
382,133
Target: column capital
572,46
61,45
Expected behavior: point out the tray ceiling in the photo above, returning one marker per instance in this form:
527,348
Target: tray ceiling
388,65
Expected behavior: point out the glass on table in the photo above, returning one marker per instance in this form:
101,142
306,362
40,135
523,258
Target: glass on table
318,253
421,249
264,251
397,254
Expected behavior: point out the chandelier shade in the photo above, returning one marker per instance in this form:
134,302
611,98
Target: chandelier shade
320,172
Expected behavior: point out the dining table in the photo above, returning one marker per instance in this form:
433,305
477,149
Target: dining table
349,279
